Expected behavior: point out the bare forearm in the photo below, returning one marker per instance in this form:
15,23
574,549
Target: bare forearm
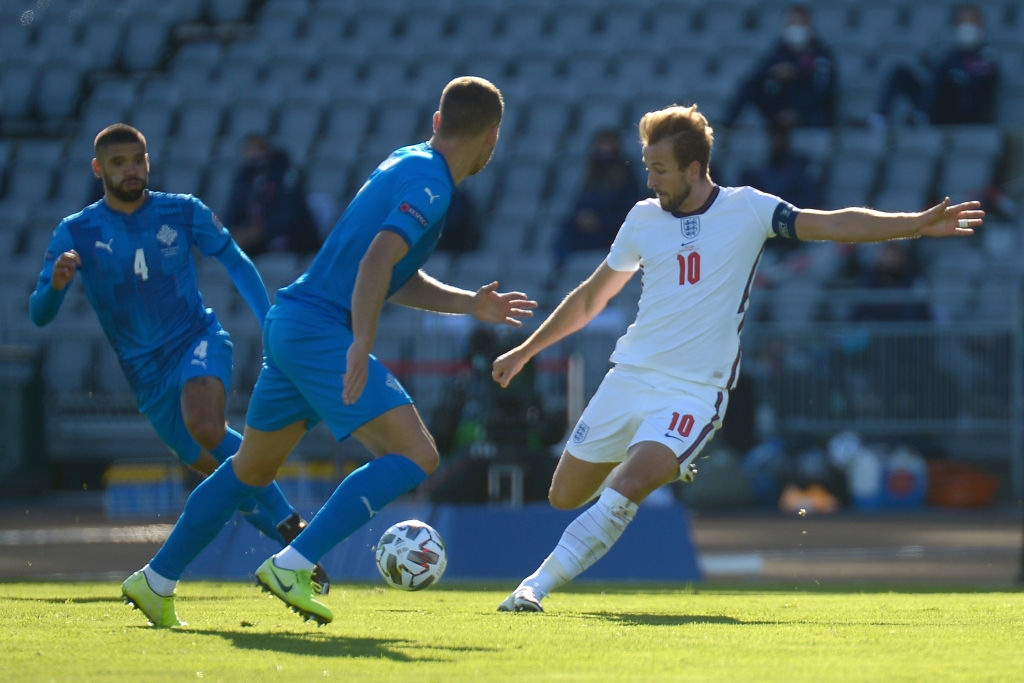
368,298
425,293
861,225
571,315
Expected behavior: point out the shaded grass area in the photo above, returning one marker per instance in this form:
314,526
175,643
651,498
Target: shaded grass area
82,631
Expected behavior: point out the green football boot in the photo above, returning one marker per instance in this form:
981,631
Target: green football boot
295,589
157,608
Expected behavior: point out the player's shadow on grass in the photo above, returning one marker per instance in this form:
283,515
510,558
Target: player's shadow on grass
663,619
320,644
70,601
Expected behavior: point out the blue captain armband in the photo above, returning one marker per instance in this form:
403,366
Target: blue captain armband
784,221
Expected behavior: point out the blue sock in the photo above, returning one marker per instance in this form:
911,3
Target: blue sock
358,497
269,507
206,512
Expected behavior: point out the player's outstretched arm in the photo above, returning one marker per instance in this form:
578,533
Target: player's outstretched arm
487,304
945,219
576,310
49,293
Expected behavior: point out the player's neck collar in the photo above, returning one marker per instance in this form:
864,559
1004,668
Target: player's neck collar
712,196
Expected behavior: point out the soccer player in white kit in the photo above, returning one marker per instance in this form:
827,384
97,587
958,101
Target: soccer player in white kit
697,245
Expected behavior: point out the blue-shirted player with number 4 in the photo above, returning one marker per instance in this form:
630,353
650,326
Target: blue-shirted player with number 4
318,340
133,249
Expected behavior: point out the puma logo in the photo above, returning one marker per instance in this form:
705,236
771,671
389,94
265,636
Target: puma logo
430,195
366,502
108,245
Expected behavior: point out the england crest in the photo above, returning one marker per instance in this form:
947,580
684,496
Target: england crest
690,227
580,433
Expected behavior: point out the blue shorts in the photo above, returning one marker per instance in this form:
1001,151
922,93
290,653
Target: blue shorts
301,379
208,356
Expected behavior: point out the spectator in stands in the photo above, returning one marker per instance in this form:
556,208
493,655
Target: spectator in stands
895,267
267,209
134,251
961,88
786,172
609,190
795,82
462,231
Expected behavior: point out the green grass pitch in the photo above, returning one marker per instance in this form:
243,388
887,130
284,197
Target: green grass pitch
80,631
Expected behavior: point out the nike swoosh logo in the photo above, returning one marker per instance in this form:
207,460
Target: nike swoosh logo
286,589
672,436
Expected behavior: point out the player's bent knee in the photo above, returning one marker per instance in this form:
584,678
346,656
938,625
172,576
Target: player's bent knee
207,433
564,500
428,460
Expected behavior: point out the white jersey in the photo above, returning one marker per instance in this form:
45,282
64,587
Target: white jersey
697,272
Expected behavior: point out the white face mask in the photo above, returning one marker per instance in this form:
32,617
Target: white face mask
968,35
796,36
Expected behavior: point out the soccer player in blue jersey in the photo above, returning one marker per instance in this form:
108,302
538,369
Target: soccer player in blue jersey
318,340
133,248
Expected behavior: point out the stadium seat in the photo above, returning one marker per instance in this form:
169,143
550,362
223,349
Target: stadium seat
964,176
200,118
278,269
30,183
427,24
574,25
65,367
346,122
816,143
487,64
475,24
851,180
183,176
249,113
155,120
981,140
228,10
18,78
144,47
919,140
196,62
60,81
588,69
622,22
399,120
548,116
281,22
328,177
298,125
537,68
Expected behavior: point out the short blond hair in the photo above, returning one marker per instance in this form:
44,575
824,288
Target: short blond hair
692,137
469,106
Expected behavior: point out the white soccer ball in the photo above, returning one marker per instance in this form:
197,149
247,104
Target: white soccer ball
411,555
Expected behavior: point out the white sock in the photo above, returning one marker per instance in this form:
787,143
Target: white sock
290,558
161,586
584,541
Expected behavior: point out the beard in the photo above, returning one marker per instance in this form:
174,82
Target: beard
121,193
674,203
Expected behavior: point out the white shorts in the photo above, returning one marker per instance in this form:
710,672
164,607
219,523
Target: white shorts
634,405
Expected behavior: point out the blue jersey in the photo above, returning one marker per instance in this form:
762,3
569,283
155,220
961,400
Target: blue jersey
408,194
139,276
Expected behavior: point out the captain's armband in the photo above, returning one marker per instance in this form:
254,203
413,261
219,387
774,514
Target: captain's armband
784,221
